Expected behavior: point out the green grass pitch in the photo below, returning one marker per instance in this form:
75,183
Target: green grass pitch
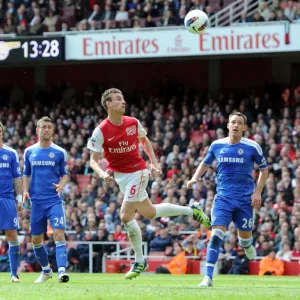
149,287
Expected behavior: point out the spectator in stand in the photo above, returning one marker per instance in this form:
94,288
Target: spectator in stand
281,16
296,251
225,257
285,253
64,27
270,265
107,14
245,18
290,10
209,11
81,254
98,250
122,14
181,15
95,15
272,16
36,19
50,21
119,235
257,17
109,249
9,27
264,10
265,249
198,4
240,264
150,22
4,262
178,264
161,243
37,28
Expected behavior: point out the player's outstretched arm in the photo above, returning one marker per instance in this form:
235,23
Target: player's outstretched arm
18,191
256,196
94,158
147,146
202,168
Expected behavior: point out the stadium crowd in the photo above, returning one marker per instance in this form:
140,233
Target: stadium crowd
181,125
26,17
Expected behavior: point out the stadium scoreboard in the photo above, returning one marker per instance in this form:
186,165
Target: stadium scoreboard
31,50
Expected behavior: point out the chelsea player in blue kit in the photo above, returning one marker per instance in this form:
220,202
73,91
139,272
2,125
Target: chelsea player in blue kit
45,175
237,196
10,182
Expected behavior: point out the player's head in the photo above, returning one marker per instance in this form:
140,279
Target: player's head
113,101
45,128
237,124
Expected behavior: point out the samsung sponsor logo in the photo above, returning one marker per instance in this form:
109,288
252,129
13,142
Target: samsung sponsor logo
231,160
43,163
4,165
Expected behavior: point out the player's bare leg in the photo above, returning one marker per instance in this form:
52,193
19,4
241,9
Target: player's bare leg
150,211
14,254
135,235
61,254
42,256
246,241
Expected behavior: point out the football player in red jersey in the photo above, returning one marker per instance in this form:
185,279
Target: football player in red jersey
118,136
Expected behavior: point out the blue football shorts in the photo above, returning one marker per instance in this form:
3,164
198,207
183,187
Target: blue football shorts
8,215
239,211
41,213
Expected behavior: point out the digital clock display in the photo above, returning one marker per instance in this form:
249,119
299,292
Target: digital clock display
37,49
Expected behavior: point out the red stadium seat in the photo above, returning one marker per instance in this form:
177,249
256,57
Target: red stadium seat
196,139
194,133
83,181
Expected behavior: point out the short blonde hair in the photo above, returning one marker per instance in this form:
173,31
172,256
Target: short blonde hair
43,119
2,127
106,96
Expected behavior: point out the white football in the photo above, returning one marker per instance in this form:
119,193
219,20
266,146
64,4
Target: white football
196,21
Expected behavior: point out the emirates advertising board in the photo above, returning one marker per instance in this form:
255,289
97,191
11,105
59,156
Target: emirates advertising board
179,42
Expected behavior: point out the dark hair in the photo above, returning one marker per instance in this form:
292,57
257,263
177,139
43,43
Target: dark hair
239,114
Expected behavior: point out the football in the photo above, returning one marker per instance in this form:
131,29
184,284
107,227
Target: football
196,21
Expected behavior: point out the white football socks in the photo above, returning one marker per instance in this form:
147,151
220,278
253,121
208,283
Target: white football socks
171,210
135,236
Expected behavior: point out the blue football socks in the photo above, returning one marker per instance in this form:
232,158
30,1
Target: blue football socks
41,254
61,255
213,251
14,257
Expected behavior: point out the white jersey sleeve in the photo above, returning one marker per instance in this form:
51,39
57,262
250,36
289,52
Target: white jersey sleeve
96,141
141,130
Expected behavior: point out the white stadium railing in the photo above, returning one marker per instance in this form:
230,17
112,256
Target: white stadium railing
232,13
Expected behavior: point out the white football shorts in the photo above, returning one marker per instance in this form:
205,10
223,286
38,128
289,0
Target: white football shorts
133,185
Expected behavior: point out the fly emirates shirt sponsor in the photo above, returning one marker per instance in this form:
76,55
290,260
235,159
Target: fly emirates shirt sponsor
120,144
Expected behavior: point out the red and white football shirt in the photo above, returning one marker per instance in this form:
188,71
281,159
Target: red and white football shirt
120,144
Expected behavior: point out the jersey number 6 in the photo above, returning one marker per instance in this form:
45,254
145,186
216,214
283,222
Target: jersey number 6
133,190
